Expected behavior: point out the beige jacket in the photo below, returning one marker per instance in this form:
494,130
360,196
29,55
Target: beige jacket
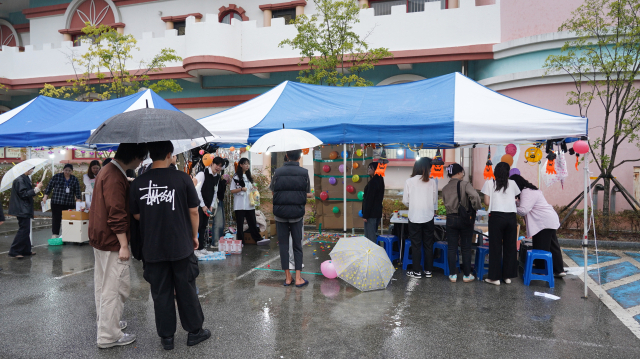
450,196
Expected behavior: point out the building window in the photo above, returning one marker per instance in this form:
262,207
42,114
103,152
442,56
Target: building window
78,39
226,18
288,14
383,7
180,26
403,154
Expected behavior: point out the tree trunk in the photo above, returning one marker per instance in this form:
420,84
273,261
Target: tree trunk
605,206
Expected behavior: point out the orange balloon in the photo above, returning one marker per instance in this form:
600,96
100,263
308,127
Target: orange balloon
507,159
356,165
305,151
232,148
333,155
207,160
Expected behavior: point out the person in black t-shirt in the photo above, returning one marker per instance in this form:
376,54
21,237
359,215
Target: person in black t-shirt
166,204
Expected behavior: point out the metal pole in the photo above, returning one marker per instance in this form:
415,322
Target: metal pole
585,241
344,187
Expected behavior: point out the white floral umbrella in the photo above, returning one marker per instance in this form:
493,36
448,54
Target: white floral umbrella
362,263
19,169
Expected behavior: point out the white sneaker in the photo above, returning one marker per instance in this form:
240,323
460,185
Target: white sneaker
508,281
125,340
264,242
494,282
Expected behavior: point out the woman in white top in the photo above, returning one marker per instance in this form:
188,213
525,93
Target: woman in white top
421,196
500,197
241,187
89,178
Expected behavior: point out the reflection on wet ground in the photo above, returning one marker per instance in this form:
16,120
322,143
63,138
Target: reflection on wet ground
47,310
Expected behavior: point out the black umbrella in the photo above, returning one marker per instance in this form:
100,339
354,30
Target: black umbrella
148,125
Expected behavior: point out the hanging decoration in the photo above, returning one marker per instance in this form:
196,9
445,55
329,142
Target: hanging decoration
577,161
382,163
532,155
581,147
551,163
437,170
488,168
305,151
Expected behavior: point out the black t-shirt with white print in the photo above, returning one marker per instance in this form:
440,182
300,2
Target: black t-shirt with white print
163,197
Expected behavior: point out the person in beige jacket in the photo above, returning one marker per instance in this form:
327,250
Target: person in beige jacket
458,232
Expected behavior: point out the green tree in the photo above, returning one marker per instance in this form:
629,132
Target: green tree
604,60
103,71
334,53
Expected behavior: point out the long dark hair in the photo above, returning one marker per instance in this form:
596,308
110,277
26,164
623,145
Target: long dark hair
422,167
239,171
523,183
89,171
502,176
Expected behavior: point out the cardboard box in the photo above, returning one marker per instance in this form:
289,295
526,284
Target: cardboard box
74,215
75,231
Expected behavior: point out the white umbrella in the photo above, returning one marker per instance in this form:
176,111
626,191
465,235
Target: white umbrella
19,169
362,263
285,140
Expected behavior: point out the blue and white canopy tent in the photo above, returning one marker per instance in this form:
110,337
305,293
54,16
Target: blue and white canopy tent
442,112
50,122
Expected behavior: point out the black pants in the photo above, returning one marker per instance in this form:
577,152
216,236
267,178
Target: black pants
459,233
285,229
203,239
547,240
56,216
21,242
421,236
250,216
503,232
179,276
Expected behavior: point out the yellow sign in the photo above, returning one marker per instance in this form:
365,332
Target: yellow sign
532,155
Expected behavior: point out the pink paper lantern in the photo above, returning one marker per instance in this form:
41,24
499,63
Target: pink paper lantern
328,269
581,147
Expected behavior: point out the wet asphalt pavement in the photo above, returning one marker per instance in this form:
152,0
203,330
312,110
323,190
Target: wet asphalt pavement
47,311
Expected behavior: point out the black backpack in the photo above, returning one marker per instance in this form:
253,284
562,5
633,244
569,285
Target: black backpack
468,217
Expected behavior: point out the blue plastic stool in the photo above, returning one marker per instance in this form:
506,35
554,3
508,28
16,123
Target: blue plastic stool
544,274
481,269
387,240
443,260
406,259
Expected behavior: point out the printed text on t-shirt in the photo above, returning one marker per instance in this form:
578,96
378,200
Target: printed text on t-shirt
156,194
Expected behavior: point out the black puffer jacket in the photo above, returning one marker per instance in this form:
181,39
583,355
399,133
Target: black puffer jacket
21,201
290,185
373,196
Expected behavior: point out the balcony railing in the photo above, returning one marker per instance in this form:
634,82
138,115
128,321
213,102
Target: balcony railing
383,7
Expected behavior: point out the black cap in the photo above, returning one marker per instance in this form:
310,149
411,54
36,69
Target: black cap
454,169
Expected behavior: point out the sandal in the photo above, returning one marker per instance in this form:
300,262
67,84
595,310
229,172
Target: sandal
285,283
303,284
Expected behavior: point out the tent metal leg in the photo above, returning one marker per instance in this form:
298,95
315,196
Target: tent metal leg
585,241
344,188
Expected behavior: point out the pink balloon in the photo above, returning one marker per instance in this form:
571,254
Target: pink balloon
511,149
581,147
328,269
341,168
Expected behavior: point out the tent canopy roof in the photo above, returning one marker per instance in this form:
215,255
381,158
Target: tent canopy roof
46,121
446,111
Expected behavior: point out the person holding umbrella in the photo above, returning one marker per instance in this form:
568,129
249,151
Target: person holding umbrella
166,204
21,206
65,188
